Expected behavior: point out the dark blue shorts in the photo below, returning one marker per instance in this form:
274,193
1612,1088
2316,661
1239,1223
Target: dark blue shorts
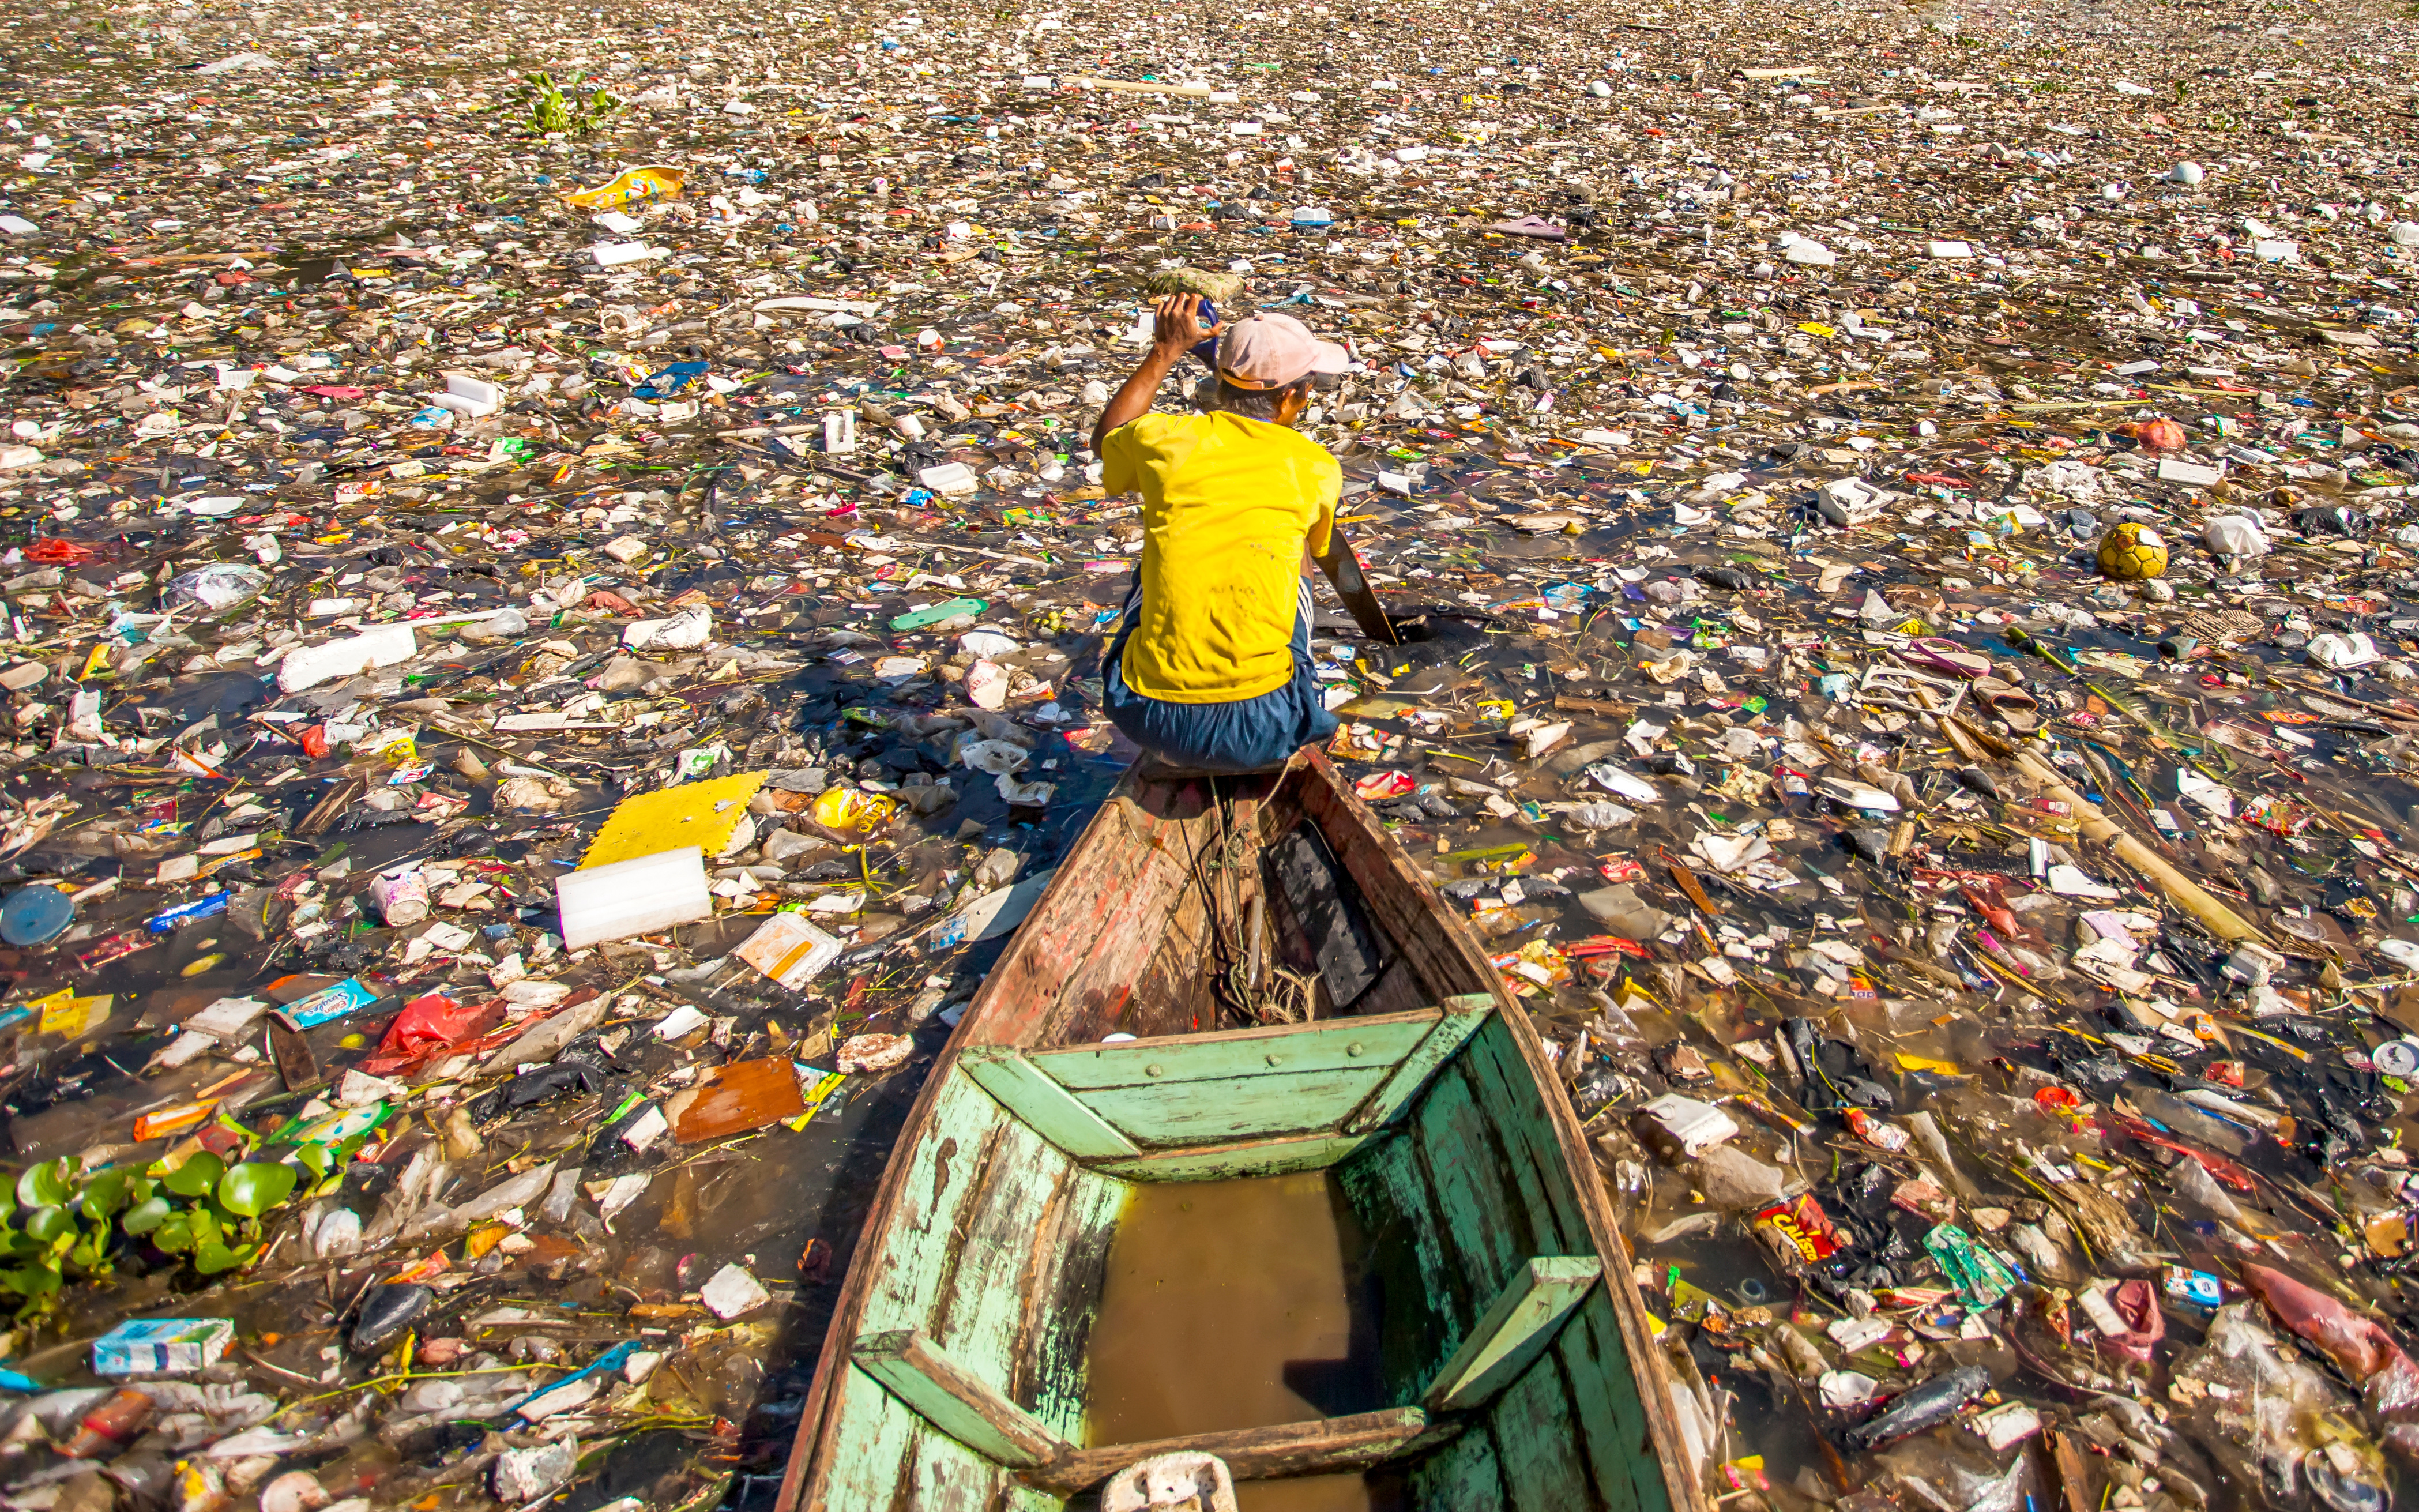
1241,736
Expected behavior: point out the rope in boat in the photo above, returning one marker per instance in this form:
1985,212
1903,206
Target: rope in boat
1236,957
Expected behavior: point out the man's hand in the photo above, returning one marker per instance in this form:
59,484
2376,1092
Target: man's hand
1178,327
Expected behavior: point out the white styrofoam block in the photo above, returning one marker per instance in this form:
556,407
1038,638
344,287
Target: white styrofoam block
476,397
381,646
647,892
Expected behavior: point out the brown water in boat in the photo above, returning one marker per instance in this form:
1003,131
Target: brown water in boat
1237,1304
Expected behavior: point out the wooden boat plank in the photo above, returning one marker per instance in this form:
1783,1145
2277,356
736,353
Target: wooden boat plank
873,1449
1505,1094
1387,1182
978,1308
1110,877
1251,1157
1514,1331
1064,1272
1457,1019
1317,1447
941,1471
1173,993
1398,897
1278,810
1169,991
1465,1475
955,1400
945,1168
1494,1063
1044,1102
1484,1224
1662,1476
1542,1468
1110,899
1343,1044
1108,979
1612,1420
1398,987
1525,1132
1235,1108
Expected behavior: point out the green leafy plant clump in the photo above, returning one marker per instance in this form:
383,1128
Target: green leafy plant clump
556,109
71,1225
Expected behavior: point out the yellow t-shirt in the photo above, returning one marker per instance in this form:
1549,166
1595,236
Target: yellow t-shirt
1228,503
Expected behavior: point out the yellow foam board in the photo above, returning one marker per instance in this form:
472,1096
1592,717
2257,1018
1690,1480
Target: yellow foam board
695,813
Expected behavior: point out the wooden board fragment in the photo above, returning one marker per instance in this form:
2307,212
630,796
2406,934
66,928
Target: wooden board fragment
1513,1332
955,1400
1320,1447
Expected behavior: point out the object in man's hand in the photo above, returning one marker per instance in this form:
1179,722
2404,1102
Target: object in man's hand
1227,287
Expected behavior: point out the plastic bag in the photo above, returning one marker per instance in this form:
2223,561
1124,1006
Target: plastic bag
216,589
2235,535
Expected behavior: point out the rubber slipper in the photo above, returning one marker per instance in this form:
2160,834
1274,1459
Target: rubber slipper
1946,656
2018,708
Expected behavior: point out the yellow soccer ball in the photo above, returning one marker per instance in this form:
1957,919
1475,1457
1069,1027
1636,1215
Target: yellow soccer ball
2132,552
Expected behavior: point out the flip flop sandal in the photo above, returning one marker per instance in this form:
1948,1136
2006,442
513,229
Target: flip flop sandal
1530,226
1946,656
2017,708
1904,688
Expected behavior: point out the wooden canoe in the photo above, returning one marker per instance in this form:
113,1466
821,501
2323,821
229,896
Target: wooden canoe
1520,1368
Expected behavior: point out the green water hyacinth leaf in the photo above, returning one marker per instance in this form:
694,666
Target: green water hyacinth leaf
196,1176
30,1281
106,1194
253,1187
212,1256
45,1185
146,1215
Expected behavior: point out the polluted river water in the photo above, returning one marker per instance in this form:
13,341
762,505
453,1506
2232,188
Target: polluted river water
1981,943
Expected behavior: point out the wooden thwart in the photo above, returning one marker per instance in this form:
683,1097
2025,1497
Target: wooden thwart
1513,1331
955,1400
1045,1106
1461,1017
1320,1447
1243,1158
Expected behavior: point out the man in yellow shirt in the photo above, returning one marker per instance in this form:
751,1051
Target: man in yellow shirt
1211,669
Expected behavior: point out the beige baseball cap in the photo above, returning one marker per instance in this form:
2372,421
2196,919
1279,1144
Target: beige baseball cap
1274,351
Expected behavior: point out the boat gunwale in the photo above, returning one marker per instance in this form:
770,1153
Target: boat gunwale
807,1470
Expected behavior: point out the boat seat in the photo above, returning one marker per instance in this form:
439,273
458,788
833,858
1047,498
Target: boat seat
1151,768
1321,1446
960,1403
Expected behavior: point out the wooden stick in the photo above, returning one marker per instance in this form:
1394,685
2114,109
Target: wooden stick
2181,889
1319,1447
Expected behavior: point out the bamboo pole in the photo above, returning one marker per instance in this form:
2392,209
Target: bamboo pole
2181,889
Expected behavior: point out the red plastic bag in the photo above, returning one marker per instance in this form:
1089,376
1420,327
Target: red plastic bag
429,1025
2358,1344
2138,1305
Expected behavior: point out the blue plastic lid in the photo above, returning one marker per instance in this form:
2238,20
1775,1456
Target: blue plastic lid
34,915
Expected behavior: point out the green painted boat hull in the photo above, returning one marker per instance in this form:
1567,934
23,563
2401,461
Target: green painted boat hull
1518,1365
